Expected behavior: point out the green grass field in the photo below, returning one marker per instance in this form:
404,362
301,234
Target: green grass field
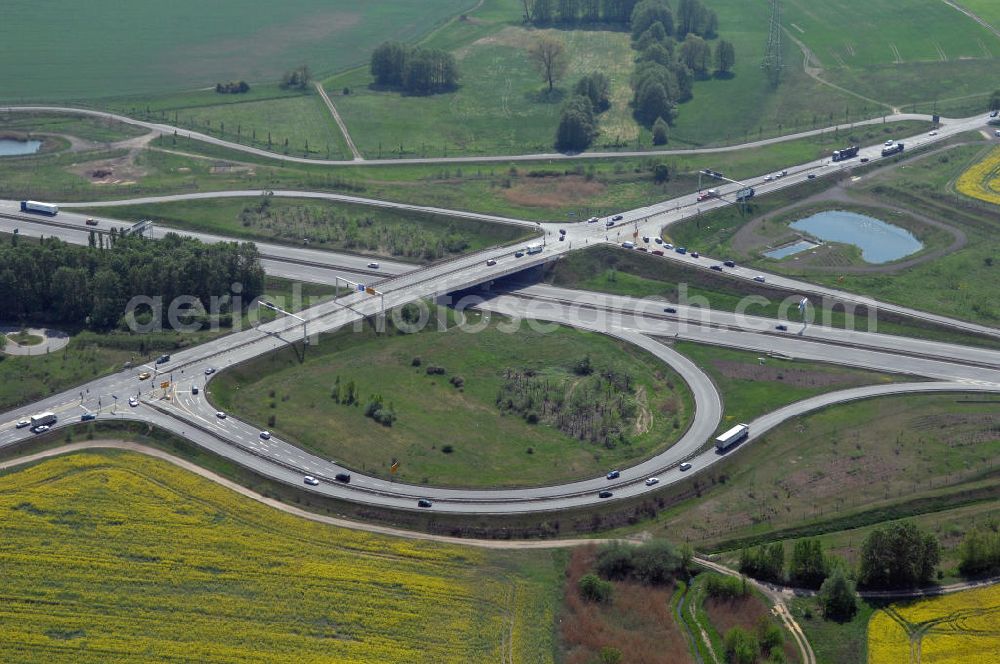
987,10
266,117
750,389
114,555
88,129
329,225
846,467
149,47
501,107
928,52
487,448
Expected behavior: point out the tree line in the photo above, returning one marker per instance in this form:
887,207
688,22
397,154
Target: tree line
54,282
232,88
692,16
414,69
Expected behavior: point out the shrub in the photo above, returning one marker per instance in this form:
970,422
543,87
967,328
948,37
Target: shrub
447,449
416,362
457,381
726,587
595,589
741,646
898,556
836,595
610,655
653,563
660,132
435,371
769,636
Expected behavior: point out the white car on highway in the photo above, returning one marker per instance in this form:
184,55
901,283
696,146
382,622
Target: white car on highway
133,402
652,481
221,415
310,480
265,435
685,466
23,423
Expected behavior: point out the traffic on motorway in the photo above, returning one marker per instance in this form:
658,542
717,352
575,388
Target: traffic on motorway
174,392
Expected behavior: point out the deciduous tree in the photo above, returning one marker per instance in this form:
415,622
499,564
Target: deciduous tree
549,57
725,57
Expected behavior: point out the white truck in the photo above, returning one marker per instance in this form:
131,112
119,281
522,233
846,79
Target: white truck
41,208
731,437
534,248
47,418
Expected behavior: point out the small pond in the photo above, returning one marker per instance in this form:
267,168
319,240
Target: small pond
10,147
789,249
879,242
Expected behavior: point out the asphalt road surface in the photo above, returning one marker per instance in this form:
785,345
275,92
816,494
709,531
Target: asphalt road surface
944,367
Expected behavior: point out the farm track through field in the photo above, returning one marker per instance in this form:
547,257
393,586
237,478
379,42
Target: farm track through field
975,17
340,122
815,70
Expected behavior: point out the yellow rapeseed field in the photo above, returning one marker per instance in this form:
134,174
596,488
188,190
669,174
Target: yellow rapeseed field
951,629
982,180
116,556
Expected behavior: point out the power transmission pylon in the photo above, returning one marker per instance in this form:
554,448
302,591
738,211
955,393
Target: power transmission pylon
772,52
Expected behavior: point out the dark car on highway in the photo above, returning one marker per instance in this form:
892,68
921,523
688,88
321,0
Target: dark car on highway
163,359
717,268
617,217
605,494
670,310
343,477
424,502
613,475
783,328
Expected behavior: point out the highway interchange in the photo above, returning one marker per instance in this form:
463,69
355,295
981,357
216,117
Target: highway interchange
935,366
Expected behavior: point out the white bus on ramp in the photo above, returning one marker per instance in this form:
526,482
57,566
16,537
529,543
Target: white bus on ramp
731,437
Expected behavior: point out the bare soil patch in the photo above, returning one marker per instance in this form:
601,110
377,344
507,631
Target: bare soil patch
552,192
116,171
